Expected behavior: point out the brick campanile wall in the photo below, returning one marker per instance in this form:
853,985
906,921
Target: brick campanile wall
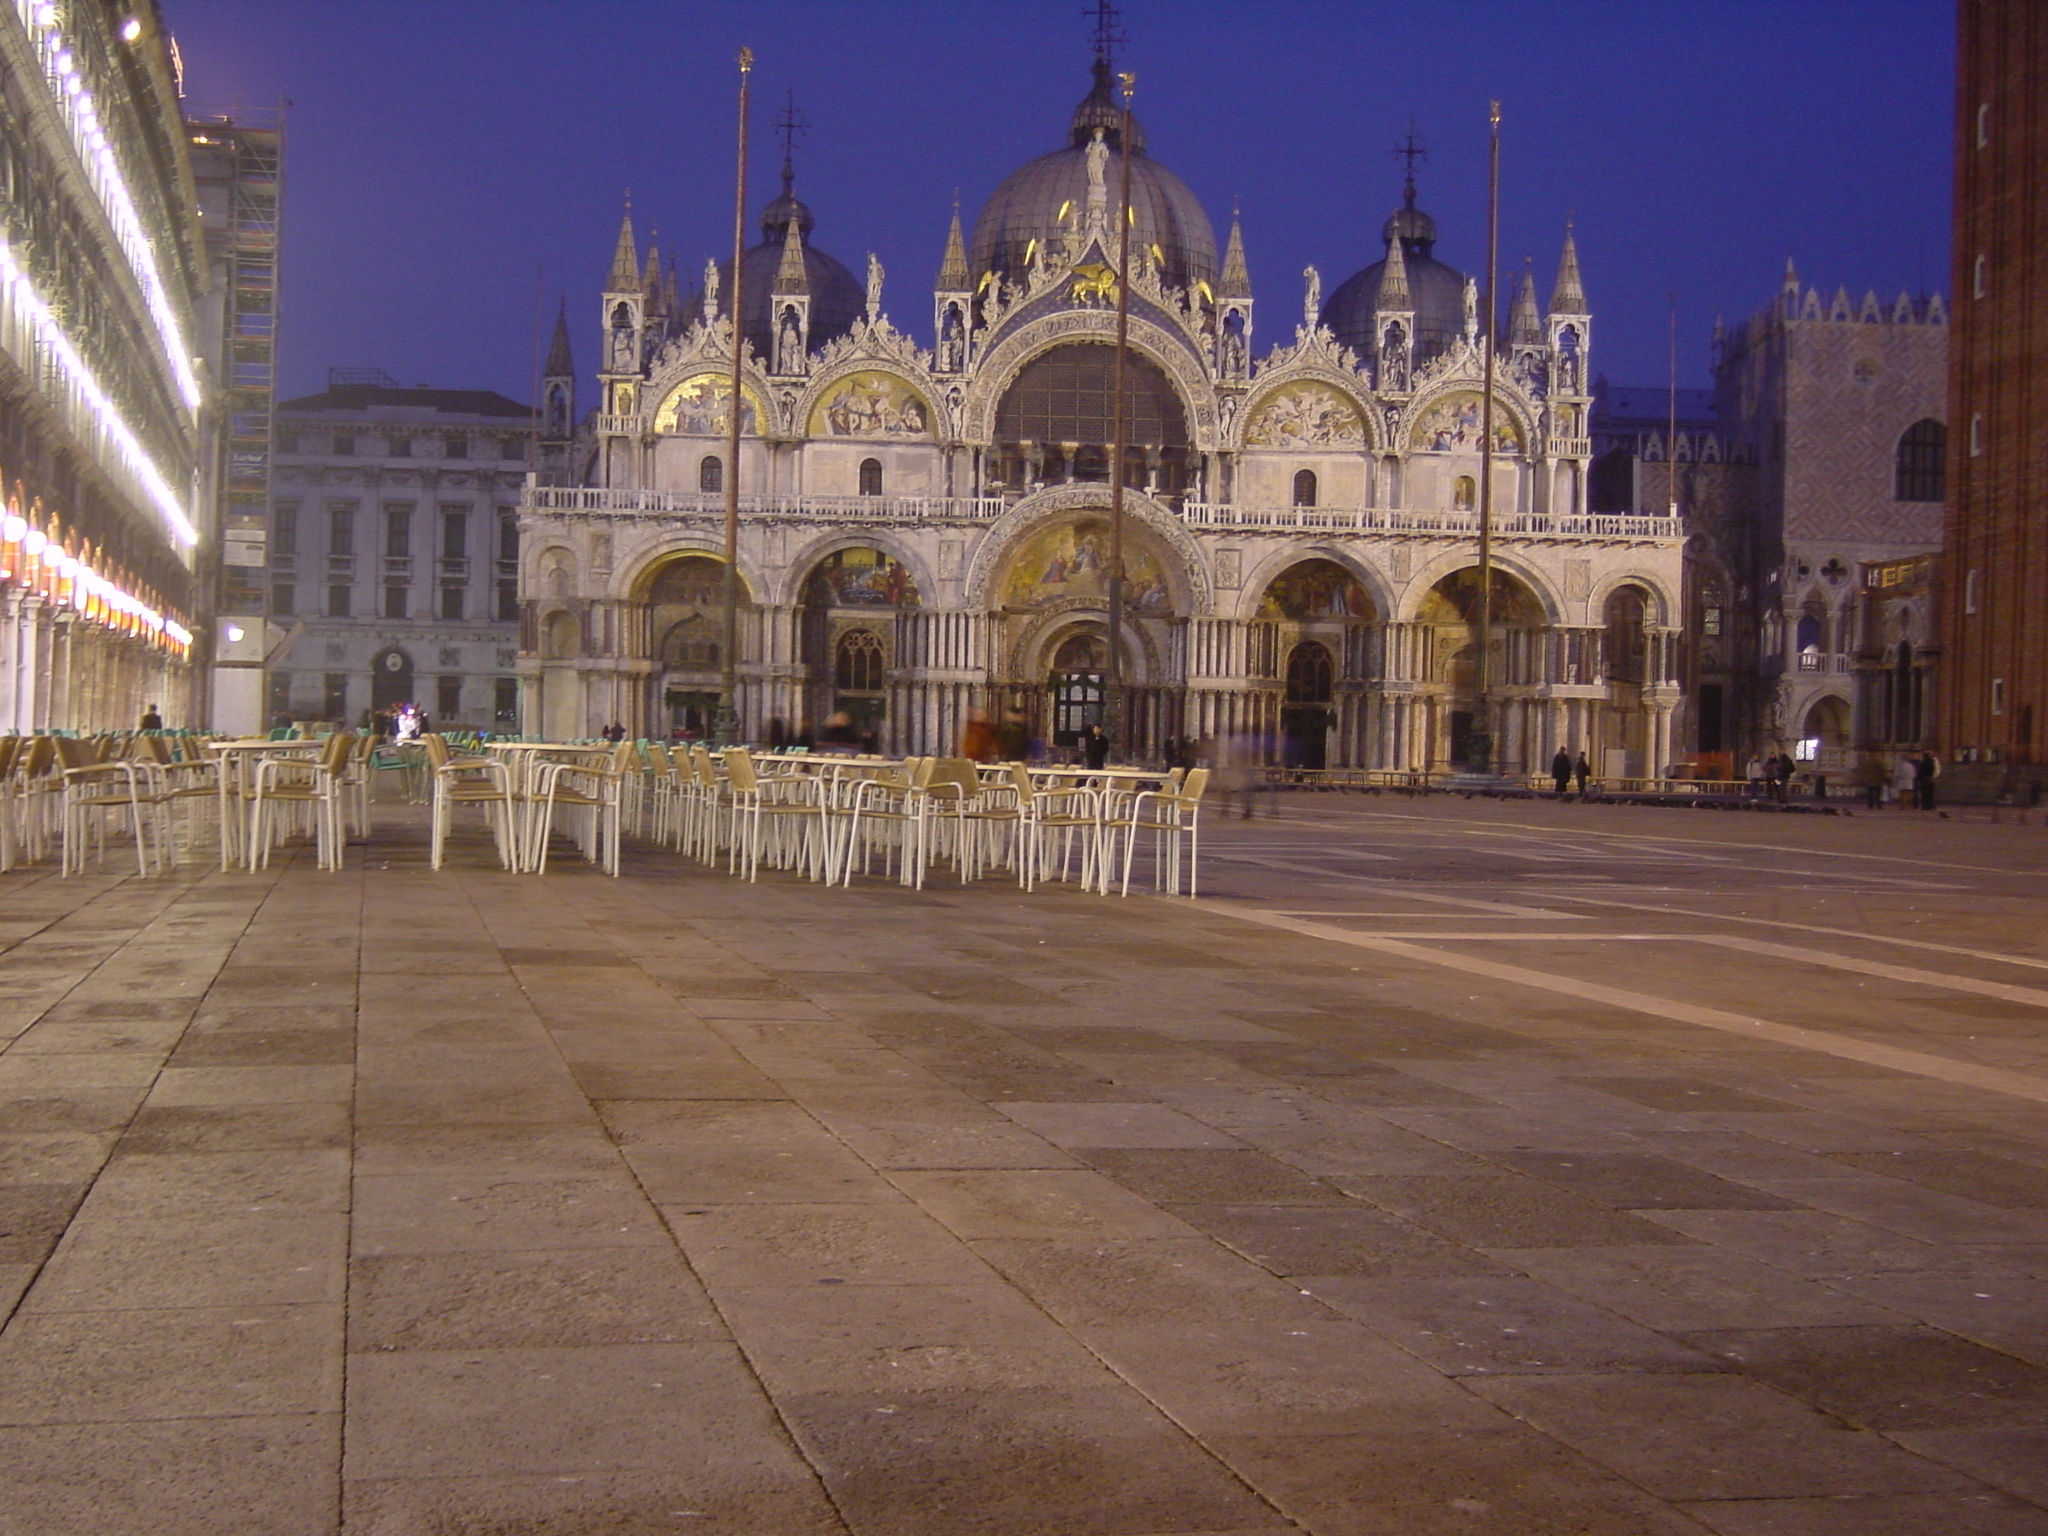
1996,533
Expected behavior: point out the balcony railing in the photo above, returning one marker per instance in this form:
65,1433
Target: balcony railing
711,504
1206,514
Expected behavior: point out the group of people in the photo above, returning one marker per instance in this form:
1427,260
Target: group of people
1910,781
1771,776
1009,740
1564,768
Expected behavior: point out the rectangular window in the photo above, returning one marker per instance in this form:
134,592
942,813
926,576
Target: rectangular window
284,599
458,447
1998,695
284,442
451,599
280,695
515,449
284,528
508,536
341,528
506,701
396,595
401,446
454,534
334,696
397,529
449,699
508,602
1710,621
338,600
344,444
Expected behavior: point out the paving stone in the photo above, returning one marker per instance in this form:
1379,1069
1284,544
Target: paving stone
861,1244
1036,1203
1679,1290
229,1128
220,1258
421,1213
248,1475
1504,1212
1633,1181
2013,1459
1889,1378
1891,1514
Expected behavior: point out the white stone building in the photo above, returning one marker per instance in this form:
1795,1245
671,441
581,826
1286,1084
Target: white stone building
394,542
924,529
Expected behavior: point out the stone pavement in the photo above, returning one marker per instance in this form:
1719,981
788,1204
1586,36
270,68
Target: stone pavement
1500,1170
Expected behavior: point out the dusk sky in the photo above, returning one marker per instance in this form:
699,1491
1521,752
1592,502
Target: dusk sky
439,153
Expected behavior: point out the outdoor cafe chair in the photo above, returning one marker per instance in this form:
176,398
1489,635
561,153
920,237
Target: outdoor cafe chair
288,792
779,818
595,792
95,792
1172,816
480,781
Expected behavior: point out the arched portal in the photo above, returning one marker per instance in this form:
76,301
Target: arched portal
1824,735
1057,422
1313,630
1625,668
682,602
1447,624
1074,683
849,636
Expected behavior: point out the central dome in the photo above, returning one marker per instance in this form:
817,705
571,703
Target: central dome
1028,206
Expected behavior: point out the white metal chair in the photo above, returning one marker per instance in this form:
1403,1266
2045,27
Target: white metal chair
595,791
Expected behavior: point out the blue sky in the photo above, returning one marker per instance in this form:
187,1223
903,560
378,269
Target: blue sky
446,159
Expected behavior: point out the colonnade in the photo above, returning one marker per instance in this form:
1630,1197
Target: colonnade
59,673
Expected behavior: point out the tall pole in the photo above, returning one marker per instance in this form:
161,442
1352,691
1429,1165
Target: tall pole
726,728
1481,753
1671,442
1115,725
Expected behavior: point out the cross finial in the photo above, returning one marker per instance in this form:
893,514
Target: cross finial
792,125
1414,151
1108,33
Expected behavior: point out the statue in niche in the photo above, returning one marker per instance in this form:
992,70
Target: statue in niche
789,342
1231,353
625,345
1568,360
1471,311
710,291
952,341
1394,357
874,288
1312,298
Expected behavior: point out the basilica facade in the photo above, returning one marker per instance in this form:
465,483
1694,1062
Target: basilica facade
924,530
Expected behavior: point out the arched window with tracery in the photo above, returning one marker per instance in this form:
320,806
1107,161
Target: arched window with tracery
860,662
1625,653
711,473
871,477
1922,462
1311,674
1304,488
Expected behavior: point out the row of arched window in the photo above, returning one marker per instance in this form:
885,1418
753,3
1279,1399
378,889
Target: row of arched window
711,475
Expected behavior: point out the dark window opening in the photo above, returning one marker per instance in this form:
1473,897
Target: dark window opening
711,473
1922,466
860,662
1305,488
871,477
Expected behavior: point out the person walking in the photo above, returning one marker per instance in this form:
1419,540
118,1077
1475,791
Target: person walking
1583,772
1905,782
1095,747
1561,770
1013,737
151,720
1925,772
1870,775
978,740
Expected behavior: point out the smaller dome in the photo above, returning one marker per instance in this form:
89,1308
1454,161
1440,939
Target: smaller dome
1410,225
1436,291
779,214
838,298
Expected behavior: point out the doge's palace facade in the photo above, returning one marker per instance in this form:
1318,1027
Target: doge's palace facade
924,530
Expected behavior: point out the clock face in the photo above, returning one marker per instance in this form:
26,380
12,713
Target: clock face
393,662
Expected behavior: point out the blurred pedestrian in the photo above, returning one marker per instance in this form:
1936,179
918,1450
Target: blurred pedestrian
1561,771
978,740
1583,772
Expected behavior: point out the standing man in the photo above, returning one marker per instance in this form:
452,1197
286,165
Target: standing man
1583,772
1561,770
1925,772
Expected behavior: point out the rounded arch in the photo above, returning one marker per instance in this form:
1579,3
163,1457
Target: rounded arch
553,568
561,635
1624,622
865,399
1438,411
1825,727
1429,577
1036,651
1311,673
1186,571
635,580
702,385
803,564
999,368
1662,604
1282,412
1258,581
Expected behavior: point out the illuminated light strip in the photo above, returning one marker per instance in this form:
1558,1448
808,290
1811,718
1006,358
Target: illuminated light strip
86,583
133,454
75,105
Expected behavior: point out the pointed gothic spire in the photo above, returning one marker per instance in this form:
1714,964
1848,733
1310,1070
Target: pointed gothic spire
1791,276
953,274
790,277
1569,296
1393,294
650,273
1236,281
560,363
626,259
1525,329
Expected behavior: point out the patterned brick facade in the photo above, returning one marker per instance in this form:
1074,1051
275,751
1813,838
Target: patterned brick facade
1994,694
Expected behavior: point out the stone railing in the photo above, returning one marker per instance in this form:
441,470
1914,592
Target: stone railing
1508,525
810,509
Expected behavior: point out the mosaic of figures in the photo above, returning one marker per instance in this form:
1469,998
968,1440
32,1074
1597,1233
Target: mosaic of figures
1315,591
1305,416
703,406
871,405
694,581
1071,560
1451,425
860,578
